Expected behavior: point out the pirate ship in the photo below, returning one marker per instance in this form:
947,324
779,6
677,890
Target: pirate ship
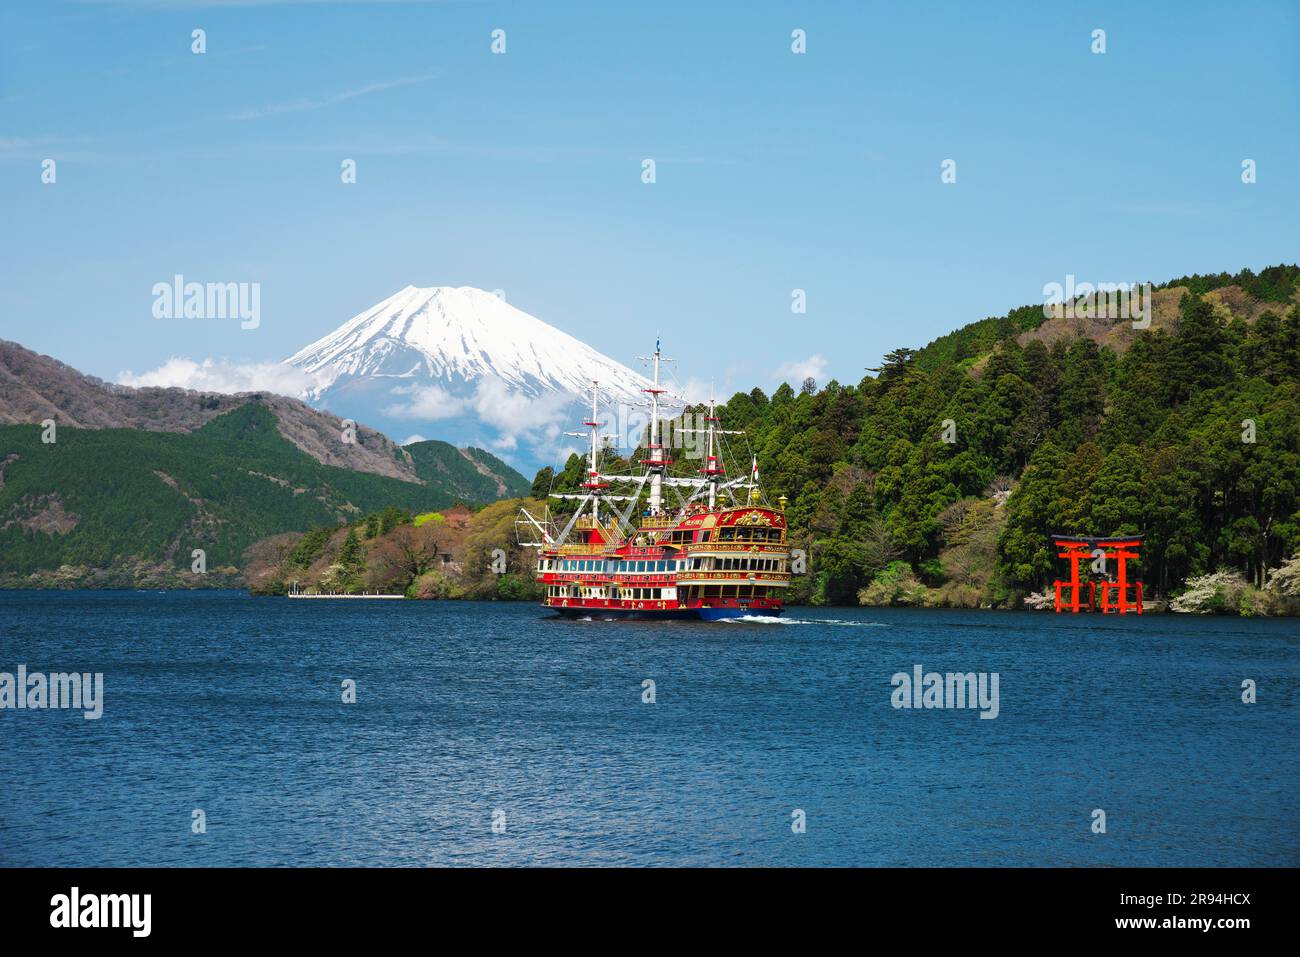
659,545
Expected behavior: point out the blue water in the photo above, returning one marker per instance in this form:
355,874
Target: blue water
233,705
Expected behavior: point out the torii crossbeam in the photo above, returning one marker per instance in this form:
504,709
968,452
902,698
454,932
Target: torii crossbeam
1114,594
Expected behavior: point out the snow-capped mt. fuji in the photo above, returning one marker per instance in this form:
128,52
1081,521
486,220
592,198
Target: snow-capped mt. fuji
459,364
455,335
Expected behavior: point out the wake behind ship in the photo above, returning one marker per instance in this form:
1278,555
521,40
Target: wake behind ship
709,554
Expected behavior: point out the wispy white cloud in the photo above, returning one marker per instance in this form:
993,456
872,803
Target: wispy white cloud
200,4
1164,209
795,372
221,375
427,402
513,416
406,144
306,105
42,147
696,391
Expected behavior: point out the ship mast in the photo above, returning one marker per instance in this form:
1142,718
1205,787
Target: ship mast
656,461
711,463
713,470
593,485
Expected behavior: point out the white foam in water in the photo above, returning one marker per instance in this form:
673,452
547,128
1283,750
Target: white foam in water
774,620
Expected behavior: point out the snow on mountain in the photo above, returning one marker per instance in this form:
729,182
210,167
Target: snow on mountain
456,335
471,366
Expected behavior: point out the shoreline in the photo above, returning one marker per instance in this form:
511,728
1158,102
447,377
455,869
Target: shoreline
247,592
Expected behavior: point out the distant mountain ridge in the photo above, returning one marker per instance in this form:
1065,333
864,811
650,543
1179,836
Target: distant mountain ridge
1246,295
129,507
137,479
35,387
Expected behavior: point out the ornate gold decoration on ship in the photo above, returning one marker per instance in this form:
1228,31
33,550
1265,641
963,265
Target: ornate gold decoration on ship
754,518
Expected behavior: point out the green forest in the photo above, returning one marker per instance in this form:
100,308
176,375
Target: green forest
939,476
937,479
130,503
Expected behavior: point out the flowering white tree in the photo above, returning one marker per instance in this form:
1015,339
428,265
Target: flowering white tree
1285,579
1219,591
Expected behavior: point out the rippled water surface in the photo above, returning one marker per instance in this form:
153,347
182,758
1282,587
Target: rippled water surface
232,705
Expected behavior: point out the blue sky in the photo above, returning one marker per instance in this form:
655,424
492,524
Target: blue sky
522,171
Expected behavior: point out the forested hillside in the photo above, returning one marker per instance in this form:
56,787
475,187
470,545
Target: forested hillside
471,474
1188,432
126,507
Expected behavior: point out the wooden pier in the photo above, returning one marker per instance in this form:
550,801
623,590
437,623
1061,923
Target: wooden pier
303,594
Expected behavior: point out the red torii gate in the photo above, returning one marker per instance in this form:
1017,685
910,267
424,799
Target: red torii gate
1075,549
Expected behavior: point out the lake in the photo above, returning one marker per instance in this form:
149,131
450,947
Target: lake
469,715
